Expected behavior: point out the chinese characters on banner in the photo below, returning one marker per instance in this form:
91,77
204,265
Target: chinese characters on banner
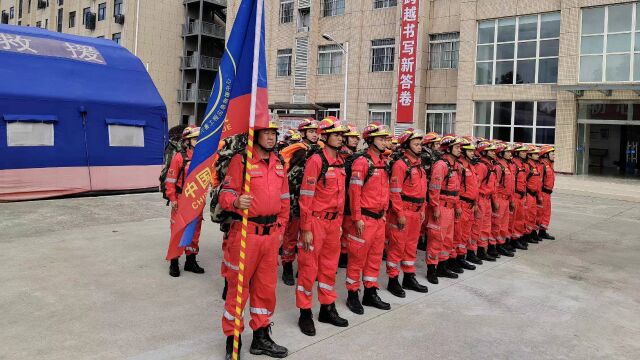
48,47
408,56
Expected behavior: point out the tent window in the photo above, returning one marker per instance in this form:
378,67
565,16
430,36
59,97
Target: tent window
29,134
123,135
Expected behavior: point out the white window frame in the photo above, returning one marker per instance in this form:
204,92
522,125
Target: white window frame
139,132
388,58
13,124
384,4
512,126
332,50
632,52
331,111
434,43
286,11
515,42
334,10
381,109
451,114
281,54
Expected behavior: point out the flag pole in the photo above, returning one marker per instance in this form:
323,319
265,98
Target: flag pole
247,178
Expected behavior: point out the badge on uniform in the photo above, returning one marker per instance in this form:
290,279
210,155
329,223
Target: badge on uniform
279,167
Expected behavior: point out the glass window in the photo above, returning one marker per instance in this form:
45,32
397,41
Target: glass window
332,7
441,118
329,60
116,37
29,134
444,50
286,11
592,44
593,20
537,40
380,113
102,10
618,67
591,68
284,62
85,11
618,42
382,55
72,19
126,136
619,18
118,8
380,4
530,121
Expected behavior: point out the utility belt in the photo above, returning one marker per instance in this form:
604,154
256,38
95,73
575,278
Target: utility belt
449,193
372,214
262,224
532,193
467,200
411,199
325,215
547,191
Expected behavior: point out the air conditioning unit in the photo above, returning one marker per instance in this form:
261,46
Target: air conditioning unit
119,19
5,18
42,4
90,21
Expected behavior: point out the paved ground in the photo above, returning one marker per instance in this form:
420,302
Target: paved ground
85,279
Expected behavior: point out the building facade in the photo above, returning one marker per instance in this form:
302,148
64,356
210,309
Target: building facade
169,36
561,72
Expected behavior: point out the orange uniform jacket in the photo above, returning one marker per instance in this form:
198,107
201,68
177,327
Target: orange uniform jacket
444,180
414,186
175,178
374,195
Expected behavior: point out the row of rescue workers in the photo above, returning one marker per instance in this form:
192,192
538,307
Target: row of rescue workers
321,200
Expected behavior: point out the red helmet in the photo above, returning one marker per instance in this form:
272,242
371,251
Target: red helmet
485,146
190,132
353,131
533,150
546,149
409,135
307,124
331,124
449,141
500,147
430,138
374,130
468,144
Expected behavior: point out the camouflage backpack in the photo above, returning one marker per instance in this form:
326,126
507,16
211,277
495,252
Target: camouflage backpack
170,150
296,173
232,145
399,156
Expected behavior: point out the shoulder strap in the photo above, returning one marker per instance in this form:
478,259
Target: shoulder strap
409,168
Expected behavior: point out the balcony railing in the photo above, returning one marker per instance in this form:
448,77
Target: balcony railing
202,62
192,95
216,2
204,28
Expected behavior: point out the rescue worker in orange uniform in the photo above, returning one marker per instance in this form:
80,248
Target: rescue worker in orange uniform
534,197
322,197
444,208
466,244
268,204
521,173
408,187
308,129
512,242
485,170
174,184
368,202
548,156
430,154
351,141
505,184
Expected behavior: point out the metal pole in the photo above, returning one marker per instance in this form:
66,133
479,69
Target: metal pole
346,79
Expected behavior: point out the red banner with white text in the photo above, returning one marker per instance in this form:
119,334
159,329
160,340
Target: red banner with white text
407,61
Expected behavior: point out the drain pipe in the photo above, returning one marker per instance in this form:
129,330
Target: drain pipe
135,45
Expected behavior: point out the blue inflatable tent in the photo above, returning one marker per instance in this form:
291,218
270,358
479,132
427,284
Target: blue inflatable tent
77,114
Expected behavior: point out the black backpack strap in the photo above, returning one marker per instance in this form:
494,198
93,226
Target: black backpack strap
409,168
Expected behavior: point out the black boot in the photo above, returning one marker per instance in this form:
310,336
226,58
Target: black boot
536,236
492,251
409,282
329,314
384,255
432,274
517,244
422,243
395,288
174,268
353,303
342,262
305,322
471,257
464,263
192,265
482,255
371,298
531,239
444,272
229,348
453,265
224,291
543,234
502,251
508,245
262,344
287,273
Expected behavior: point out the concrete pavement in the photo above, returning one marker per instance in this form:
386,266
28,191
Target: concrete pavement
85,279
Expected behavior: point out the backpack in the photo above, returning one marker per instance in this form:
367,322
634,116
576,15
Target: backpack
348,164
170,150
490,170
295,172
399,156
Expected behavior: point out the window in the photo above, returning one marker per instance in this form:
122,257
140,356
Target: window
11,13
610,44
19,9
522,50
38,24
380,113
440,118
46,23
519,121
381,4
332,7
60,2
30,133
85,12
382,54
304,20
117,8
59,20
444,50
102,10
284,62
116,37
125,135
332,110
329,59
286,11
72,19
